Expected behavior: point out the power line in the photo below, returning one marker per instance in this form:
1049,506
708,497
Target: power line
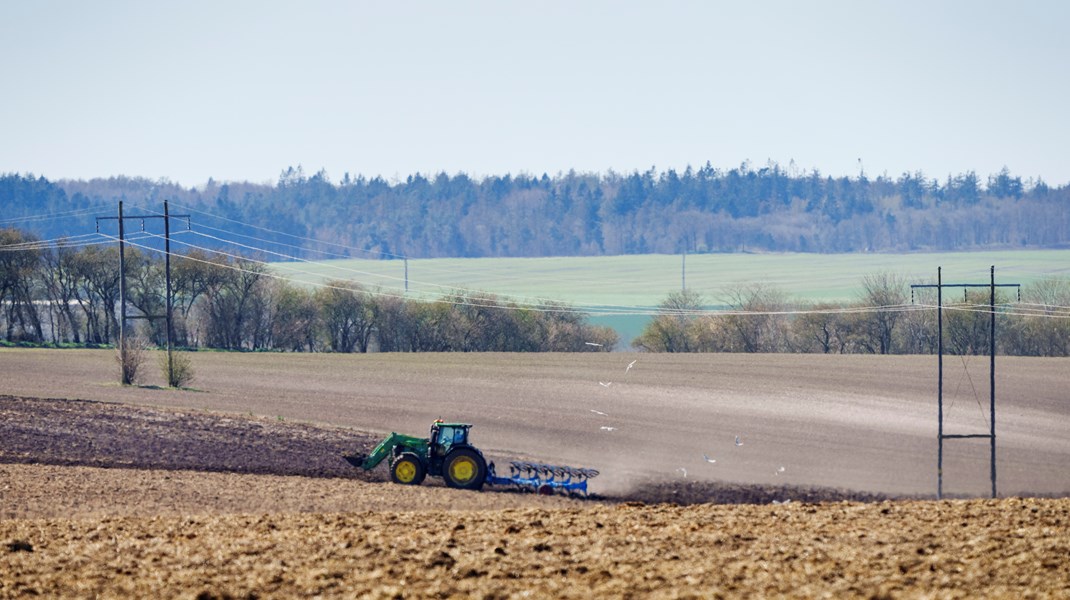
70,242
568,309
467,302
583,280
526,300
520,302
362,250
541,304
33,244
299,237
541,301
632,310
50,216
987,311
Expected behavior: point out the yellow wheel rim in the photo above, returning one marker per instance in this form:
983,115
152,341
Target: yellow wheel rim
405,471
463,469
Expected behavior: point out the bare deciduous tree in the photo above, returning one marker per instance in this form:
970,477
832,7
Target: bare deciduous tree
673,329
61,286
820,328
885,295
18,272
755,322
296,322
346,315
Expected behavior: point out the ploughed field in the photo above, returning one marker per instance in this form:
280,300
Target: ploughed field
238,489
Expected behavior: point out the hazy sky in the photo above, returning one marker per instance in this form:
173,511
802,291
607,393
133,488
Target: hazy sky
239,90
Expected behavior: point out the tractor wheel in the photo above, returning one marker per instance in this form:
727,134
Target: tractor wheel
407,469
465,469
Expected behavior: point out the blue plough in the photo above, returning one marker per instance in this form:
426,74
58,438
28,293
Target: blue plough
543,479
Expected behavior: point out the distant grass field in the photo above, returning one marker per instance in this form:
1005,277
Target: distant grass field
642,281
645,280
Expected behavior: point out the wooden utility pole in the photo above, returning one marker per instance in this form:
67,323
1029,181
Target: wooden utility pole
940,435
122,298
122,284
683,271
170,296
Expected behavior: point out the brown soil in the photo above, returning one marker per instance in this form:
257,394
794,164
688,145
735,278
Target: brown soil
92,493
110,500
80,531
102,434
1009,548
87,433
864,423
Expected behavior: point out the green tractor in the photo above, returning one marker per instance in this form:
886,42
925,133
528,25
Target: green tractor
445,453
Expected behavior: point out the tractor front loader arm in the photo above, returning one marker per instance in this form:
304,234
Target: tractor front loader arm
386,448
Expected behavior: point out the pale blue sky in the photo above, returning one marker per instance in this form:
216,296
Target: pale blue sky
239,90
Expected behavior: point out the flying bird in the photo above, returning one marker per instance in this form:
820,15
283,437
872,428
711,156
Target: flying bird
598,412
605,428
739,442
780,470
683,470
708,459
629,367
593,344
605,383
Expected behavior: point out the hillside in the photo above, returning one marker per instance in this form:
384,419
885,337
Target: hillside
221,493
864,423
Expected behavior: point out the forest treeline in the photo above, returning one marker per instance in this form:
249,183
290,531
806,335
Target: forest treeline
767,208
61,294
55,293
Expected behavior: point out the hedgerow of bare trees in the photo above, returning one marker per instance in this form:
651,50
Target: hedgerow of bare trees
59,294
760,318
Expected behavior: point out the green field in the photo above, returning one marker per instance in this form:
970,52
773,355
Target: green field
634,283
644,280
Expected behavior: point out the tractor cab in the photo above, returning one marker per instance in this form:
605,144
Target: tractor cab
447,436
